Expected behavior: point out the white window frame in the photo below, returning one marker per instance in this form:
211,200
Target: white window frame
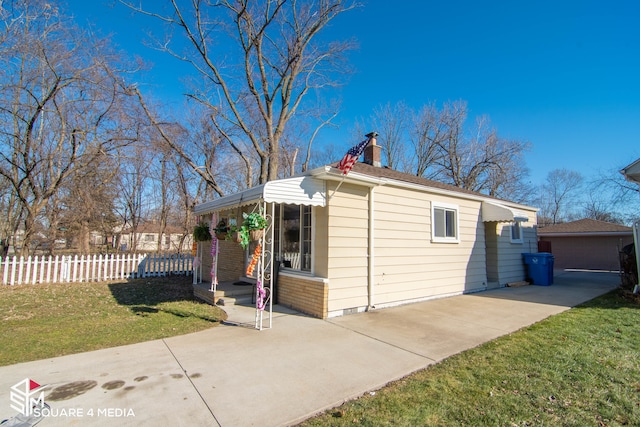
516,225
446,207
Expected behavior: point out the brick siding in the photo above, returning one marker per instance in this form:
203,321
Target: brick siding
307,296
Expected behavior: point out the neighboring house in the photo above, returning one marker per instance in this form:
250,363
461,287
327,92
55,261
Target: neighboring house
586,244
173,239
374,238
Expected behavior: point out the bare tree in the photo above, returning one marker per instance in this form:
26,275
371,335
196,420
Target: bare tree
499,168
186,193
10,215
595,207
451,160
197,148
322,122
427,132
258,61
59,105
391,122
483,162
559,195
86,204
444,148
611,192
134,196
164,181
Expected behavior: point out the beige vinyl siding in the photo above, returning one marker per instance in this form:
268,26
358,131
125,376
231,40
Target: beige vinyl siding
320,241
408,265
347,263
491,242
510,266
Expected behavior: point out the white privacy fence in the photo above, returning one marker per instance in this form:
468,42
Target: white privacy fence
91,268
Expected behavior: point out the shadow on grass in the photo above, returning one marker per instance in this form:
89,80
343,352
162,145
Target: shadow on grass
149,296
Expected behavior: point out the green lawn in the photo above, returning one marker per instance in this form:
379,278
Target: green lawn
41,321
579,368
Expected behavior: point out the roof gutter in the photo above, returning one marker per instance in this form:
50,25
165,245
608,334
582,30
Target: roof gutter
328,173
632,172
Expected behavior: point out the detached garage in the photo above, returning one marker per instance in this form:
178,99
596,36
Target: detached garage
586,244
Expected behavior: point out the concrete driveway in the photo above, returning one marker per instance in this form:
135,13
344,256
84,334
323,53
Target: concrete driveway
238,376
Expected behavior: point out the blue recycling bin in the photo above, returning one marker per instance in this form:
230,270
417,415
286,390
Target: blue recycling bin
539,267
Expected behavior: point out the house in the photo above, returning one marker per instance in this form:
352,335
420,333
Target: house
632,174
373,238
145,238
586,244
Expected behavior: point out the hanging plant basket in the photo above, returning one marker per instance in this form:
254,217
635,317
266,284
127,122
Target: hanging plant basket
201,233
221,230
252,228
256,234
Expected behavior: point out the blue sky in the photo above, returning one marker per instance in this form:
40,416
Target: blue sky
563,75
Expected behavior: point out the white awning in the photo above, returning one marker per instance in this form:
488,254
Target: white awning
302,190
493,211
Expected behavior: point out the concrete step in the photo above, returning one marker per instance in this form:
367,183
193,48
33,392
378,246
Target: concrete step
229,294
240,300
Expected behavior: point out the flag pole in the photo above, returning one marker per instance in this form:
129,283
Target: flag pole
334,191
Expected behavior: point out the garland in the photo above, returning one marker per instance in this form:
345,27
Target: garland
254,260
262,296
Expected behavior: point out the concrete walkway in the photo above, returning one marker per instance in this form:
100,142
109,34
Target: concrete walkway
237,376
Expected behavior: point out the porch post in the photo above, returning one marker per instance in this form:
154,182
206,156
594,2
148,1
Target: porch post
265,266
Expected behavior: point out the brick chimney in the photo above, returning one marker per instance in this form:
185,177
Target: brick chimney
372,152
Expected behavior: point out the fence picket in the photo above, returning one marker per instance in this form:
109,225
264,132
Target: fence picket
55,269
27,273
49,269
122,266
75,269
42,270
20,267
13,271
34,274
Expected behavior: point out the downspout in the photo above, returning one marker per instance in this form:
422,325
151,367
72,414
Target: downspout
372,157
371,254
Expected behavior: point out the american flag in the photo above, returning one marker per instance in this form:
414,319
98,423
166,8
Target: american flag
353,155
